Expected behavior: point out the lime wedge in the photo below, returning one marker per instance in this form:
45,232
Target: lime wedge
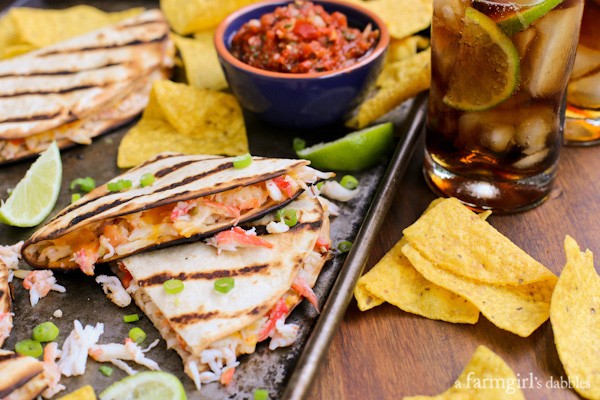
522,19
486,71
35,195
354,152
150,385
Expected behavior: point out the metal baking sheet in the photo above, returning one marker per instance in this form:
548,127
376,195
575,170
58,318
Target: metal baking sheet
285,373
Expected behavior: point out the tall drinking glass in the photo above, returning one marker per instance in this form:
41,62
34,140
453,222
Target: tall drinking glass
583,93
497,99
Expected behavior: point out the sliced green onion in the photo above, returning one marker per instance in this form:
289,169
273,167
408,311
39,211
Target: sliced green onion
224,285
106,370
320,185
242,161
298,144
349,182
137,335
119,185
29,348
261,394
288,215
131,318
344,246
86,184
147,180
173,286
75,197
45,332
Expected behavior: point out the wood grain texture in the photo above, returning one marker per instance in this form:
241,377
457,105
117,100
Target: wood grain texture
386,353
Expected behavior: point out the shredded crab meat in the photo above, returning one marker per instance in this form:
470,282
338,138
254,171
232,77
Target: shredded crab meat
52,371
114,290
5,326
117,354
76,347
39,284
10,255
303,289
283,335
335,191
236,237
277,227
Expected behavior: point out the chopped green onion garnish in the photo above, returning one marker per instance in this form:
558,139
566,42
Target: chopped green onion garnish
344,246
119,185
242,161
106,370
298,144
173,286
45,332
29,348
224,285
320,185
131,318
147,180
75,197
86,184
288,215
349,182
261,394
137,335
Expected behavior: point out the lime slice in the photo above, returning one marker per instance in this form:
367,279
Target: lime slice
486,71
354,152
35,195
150,385
522,19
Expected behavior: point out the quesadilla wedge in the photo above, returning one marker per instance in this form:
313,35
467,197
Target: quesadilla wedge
21,377
191,197
58,92
5,304
208,327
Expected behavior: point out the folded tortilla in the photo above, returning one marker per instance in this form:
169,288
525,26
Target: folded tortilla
207,327
5,304
21,377
192,197
79,88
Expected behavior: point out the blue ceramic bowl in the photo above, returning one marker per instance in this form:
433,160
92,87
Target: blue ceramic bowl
300,100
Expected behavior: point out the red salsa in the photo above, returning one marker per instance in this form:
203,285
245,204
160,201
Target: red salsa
300,38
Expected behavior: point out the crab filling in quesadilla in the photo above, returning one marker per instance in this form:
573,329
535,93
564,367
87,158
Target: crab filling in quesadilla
128,234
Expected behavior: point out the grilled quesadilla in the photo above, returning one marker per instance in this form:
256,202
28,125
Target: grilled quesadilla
208,328
191,197
5,304
82,87
21,377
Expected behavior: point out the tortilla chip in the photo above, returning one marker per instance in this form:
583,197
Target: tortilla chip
83,393
202,68
486,376
456,240
35,28
397,82
180,118
519,309
190,16
401,49
402,17
575,318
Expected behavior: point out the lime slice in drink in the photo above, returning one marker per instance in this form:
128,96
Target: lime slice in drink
35,195
150,385
486,71
354,152
520,20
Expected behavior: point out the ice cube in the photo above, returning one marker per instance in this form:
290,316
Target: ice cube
532,132
585,92
586,61
532,159
523,40
549,61
497,137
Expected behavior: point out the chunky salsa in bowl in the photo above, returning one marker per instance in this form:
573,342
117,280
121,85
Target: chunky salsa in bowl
302,37
297,64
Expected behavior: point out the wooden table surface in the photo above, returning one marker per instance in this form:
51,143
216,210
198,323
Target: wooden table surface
386,353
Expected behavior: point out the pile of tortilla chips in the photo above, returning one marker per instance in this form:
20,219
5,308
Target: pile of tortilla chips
27,29
575,318
183,119
486,376
451,264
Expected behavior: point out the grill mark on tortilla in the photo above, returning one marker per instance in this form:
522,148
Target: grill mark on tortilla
37,117
141,23
58,91
60,72
168,170
189,318
312,226
9,356
160,278
21,382
136,42
193,178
